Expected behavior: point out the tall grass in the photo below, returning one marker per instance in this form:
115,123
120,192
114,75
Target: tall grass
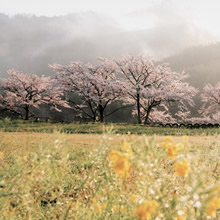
54,180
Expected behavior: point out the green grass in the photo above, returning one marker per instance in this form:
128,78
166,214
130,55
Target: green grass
98,128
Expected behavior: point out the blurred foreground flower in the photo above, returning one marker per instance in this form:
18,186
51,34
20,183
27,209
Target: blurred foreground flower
171,148
146,209
185,138
213,205
25,158
120,162
1,155
182,168
133,198
181,215
168,140
97,209
127,148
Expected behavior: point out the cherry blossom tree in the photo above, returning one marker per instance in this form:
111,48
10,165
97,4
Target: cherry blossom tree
22,93
211,101
149,86
96,87
183,117
163,117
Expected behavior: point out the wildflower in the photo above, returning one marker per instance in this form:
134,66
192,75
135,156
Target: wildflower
25,158
197,204
127,148
104,192
1,155
216,190
182,168
120,163
122,209
97,209
185,138
114,156
181,215
121,167
133,198
93,201
104,206
172,149
114,208
168,140
11,213
213,205
180,146
146,209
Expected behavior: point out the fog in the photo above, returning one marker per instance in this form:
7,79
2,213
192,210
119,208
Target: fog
28,42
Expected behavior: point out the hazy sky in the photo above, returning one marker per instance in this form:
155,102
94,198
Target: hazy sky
132,14
34,33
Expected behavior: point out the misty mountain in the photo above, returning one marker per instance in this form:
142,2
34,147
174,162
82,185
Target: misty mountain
200,62
28,42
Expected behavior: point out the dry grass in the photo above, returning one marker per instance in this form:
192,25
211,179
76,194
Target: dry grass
69,176
29,142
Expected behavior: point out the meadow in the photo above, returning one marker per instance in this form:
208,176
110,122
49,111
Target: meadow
8,125
92,171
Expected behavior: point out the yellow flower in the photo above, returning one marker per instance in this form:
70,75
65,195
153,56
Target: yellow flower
213,205
1,155
168,141
182,168
120,162
146,209
121,167
122,209
185,138
11,213
180,146
133,198
97,209
25,158
93,201
104,192
216,190
114,156
181,215
114,208
104,206
127,148
171,151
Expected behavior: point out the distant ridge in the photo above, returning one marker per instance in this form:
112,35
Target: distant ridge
202,63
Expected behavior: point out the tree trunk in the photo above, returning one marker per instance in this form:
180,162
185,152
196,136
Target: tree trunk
101,113
26,112
147,115
138,109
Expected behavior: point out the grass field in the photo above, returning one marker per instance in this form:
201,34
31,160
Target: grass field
7,125
108,176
